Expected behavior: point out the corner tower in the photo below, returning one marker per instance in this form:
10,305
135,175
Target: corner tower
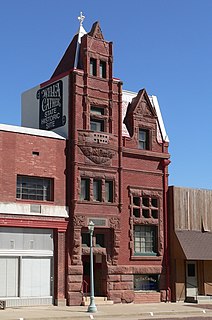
93,165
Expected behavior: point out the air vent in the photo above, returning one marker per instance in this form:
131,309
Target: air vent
101,138
35,153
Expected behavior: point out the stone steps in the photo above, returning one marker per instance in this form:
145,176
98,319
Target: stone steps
204,299
199,299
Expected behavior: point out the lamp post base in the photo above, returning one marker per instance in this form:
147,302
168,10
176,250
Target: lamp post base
92,308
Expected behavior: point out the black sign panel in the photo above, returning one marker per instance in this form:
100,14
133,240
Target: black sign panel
51,106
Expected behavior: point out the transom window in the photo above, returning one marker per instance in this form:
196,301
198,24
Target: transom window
146,207
143,139
33,188
145,239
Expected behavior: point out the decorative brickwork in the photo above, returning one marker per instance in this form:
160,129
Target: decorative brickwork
103,172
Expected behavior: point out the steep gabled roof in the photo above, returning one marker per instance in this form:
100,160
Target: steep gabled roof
70,58
96,31
137,104
127,98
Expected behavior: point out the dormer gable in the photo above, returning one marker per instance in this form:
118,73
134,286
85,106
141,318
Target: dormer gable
139,112
96,31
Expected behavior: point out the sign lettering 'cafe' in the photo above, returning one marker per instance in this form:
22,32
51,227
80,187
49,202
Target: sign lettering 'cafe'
51,106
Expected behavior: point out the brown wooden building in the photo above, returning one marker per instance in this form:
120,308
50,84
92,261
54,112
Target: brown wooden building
190,231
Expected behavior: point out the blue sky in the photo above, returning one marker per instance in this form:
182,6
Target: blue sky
164,46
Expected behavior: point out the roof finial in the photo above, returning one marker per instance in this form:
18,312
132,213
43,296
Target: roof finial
81,18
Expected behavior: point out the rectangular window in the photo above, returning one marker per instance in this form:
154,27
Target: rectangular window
102,69
144,240
85,189
97,190
96,121
136,206
92,67
86,239
100,240
109,191
97,125
33,188
143,139
146,282
145,207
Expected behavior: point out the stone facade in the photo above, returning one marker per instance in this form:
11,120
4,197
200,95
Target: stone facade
106,155
112,169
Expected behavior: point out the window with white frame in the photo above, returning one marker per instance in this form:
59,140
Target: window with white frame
34,188
143,139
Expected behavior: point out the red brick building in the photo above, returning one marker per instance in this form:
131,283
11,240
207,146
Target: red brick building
33,216
115,159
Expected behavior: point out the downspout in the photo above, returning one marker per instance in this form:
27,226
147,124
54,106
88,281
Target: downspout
165,163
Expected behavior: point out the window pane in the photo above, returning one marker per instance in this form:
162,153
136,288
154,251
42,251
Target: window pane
102,69
85,189
97,110
97,190
155,202
96,125
93,67
143,139
100,240
136,201
146,282
136,212
144,239
109,191
85,239
34,188
145,202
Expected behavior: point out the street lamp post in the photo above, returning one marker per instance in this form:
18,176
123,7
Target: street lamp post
92,307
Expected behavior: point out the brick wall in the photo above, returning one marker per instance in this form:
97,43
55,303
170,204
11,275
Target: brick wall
17,157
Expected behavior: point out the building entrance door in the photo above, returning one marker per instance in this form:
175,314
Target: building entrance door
99,275
191,279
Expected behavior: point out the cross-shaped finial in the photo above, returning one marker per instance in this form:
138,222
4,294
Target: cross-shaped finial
81,18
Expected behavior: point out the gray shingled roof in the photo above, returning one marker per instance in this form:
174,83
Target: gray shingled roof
196,245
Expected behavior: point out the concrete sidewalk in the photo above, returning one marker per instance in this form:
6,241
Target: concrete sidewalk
120,311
